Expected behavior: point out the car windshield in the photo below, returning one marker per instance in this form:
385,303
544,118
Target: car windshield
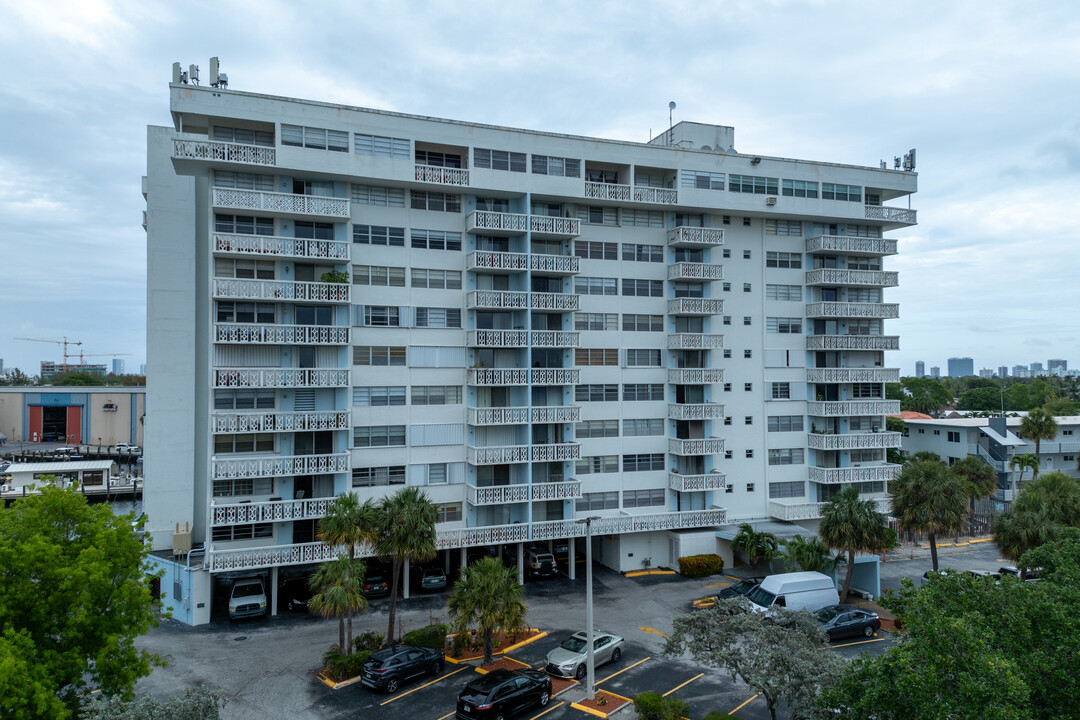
247,590
826,614
743,586
761,596
573,644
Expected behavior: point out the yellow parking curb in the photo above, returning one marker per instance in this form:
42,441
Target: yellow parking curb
639,573
525,642
515,646
598,713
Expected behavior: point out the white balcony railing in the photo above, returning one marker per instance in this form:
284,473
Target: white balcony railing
848,408
699,446
218,151
1047,448
497,338
556,376
891,214
503,494
852,310
852,375
502,222
661,196
278,465
859,278
287,203
695,237
269,511
559,302
812,510
279,421
853,474
695,306
285,248
637,193
555,339
695,271
282,290
441,175
495,260
694,341
280,377
552,414
554,226
695,376
607,191
854,441
852,342
697,483
497,376
701,411
556,452
497,300
218,560
844,245
502,454
273,334
497,415
555,264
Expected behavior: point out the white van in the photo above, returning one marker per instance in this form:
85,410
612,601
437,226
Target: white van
248,598
795,591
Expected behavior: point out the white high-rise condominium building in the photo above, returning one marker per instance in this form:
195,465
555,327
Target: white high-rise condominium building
534,327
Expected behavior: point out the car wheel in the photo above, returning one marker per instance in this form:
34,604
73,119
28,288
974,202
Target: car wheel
437,667
580,672
291,608
499,716
391,685
828,636
616,655
544,698
868,631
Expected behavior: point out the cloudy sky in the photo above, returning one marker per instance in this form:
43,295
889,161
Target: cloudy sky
987,91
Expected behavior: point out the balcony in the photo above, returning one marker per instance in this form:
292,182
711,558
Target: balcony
279,421
697,483
853,474
493,260
555,339
695,376
695,237
278,465
268,556
702,411
496,300
652,522
695,306
557,302
901,216
555,264
625,193
497,338
441,175
812,511
556,452
555,376
550,226
695,271
847,408
694,341
282,290
852,342
504,494
856,278
852,310
499,222
852,375
844,245
552,414
273,334
699,446
504,454
854,441
281,248
497,415
269,511
282,203
217,151
497,376
280,378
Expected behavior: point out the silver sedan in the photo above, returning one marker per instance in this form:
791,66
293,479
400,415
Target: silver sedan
568,660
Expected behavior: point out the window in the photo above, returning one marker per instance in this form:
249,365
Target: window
747,354
437,474
755,185
595,286
784,325
596,321
727,387
863,263
800,188
727,420
379,436
783,260
493,204
439,201
438,159
863,327
372,476
379,396
438,317
316,138
379,146
780,391
786,456
726,220
793,489
642,357
701,180
643,498
592,250
746,287
596,429
593,464
596,393
871,231
1066,432
643,462
598,501
382,316
746,254
243,399
642,288
643,427
642,253
727,287
833,191
727,319
436,395
642,323
687,289
498,160
244,136
597,215
435,240
866,390
242,532
377,275
244,181
726,253
379,356
245,486
436,279
783,227
596,356
380,196
561,167
748,420
243,225
954,437
245,312
748,387
643,391
244,443
448,512
378,235
785,423
747,320
643,218
727,353
749,454
790,293
861,456
727,456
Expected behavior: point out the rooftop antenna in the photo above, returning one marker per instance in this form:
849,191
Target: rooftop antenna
671,124
218,80
193,74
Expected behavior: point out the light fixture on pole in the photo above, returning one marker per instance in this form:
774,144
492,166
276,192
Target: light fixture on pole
671,123
590,661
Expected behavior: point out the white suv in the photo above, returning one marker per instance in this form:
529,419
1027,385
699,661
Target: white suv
126,448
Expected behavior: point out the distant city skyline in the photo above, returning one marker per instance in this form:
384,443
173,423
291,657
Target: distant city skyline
1052,366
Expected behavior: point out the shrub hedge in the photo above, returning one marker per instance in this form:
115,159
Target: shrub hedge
695,566
432,636
342,667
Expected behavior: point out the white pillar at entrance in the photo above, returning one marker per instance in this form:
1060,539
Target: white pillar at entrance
446,561
521,563
405,579
570,560
273,591
464,558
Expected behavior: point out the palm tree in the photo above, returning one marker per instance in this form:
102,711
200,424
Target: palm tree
811,555
489,596
1024,461
1062,494
979,479
756,545
407,532
1028,524
351,524
925,455
1038,425
339,591
929,498
851,524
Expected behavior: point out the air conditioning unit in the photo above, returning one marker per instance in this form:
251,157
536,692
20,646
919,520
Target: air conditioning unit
770,201
5,488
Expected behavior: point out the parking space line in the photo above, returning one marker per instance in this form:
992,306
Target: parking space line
740,707
421,687
448,715
683,685
719,584
553,707
860,642
628,667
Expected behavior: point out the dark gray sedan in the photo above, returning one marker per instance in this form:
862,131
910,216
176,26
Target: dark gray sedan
841,621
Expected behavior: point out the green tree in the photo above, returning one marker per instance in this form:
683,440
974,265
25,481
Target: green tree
77,378
407,532
755,545
979,480
924,395
1038,426
925,455
1023,461
15,377
489,597
928,498
983,398
339,592
777,655
350,524
1018,397
896,425
1061,406
811,555
74,597
1041,512
197,703
654,706
850,524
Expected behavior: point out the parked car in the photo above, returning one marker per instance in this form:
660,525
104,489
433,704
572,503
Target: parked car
795,591
502,693
375,584
247,599
432,578
840,621
126,449
540,563
387,668
739,589
568,660
295,594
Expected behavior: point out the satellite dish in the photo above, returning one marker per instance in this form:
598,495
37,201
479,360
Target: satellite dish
706,148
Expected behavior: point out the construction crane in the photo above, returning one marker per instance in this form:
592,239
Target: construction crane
65,342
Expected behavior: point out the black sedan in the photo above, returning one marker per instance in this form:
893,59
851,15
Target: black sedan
840,621
739,589
387,668
503,693
295,594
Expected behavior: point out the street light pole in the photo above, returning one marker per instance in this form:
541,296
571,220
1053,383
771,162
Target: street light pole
590,661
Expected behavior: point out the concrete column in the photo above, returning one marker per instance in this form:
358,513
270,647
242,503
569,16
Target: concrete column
446,562
405,579
571,560
521,563
274,591
464,558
